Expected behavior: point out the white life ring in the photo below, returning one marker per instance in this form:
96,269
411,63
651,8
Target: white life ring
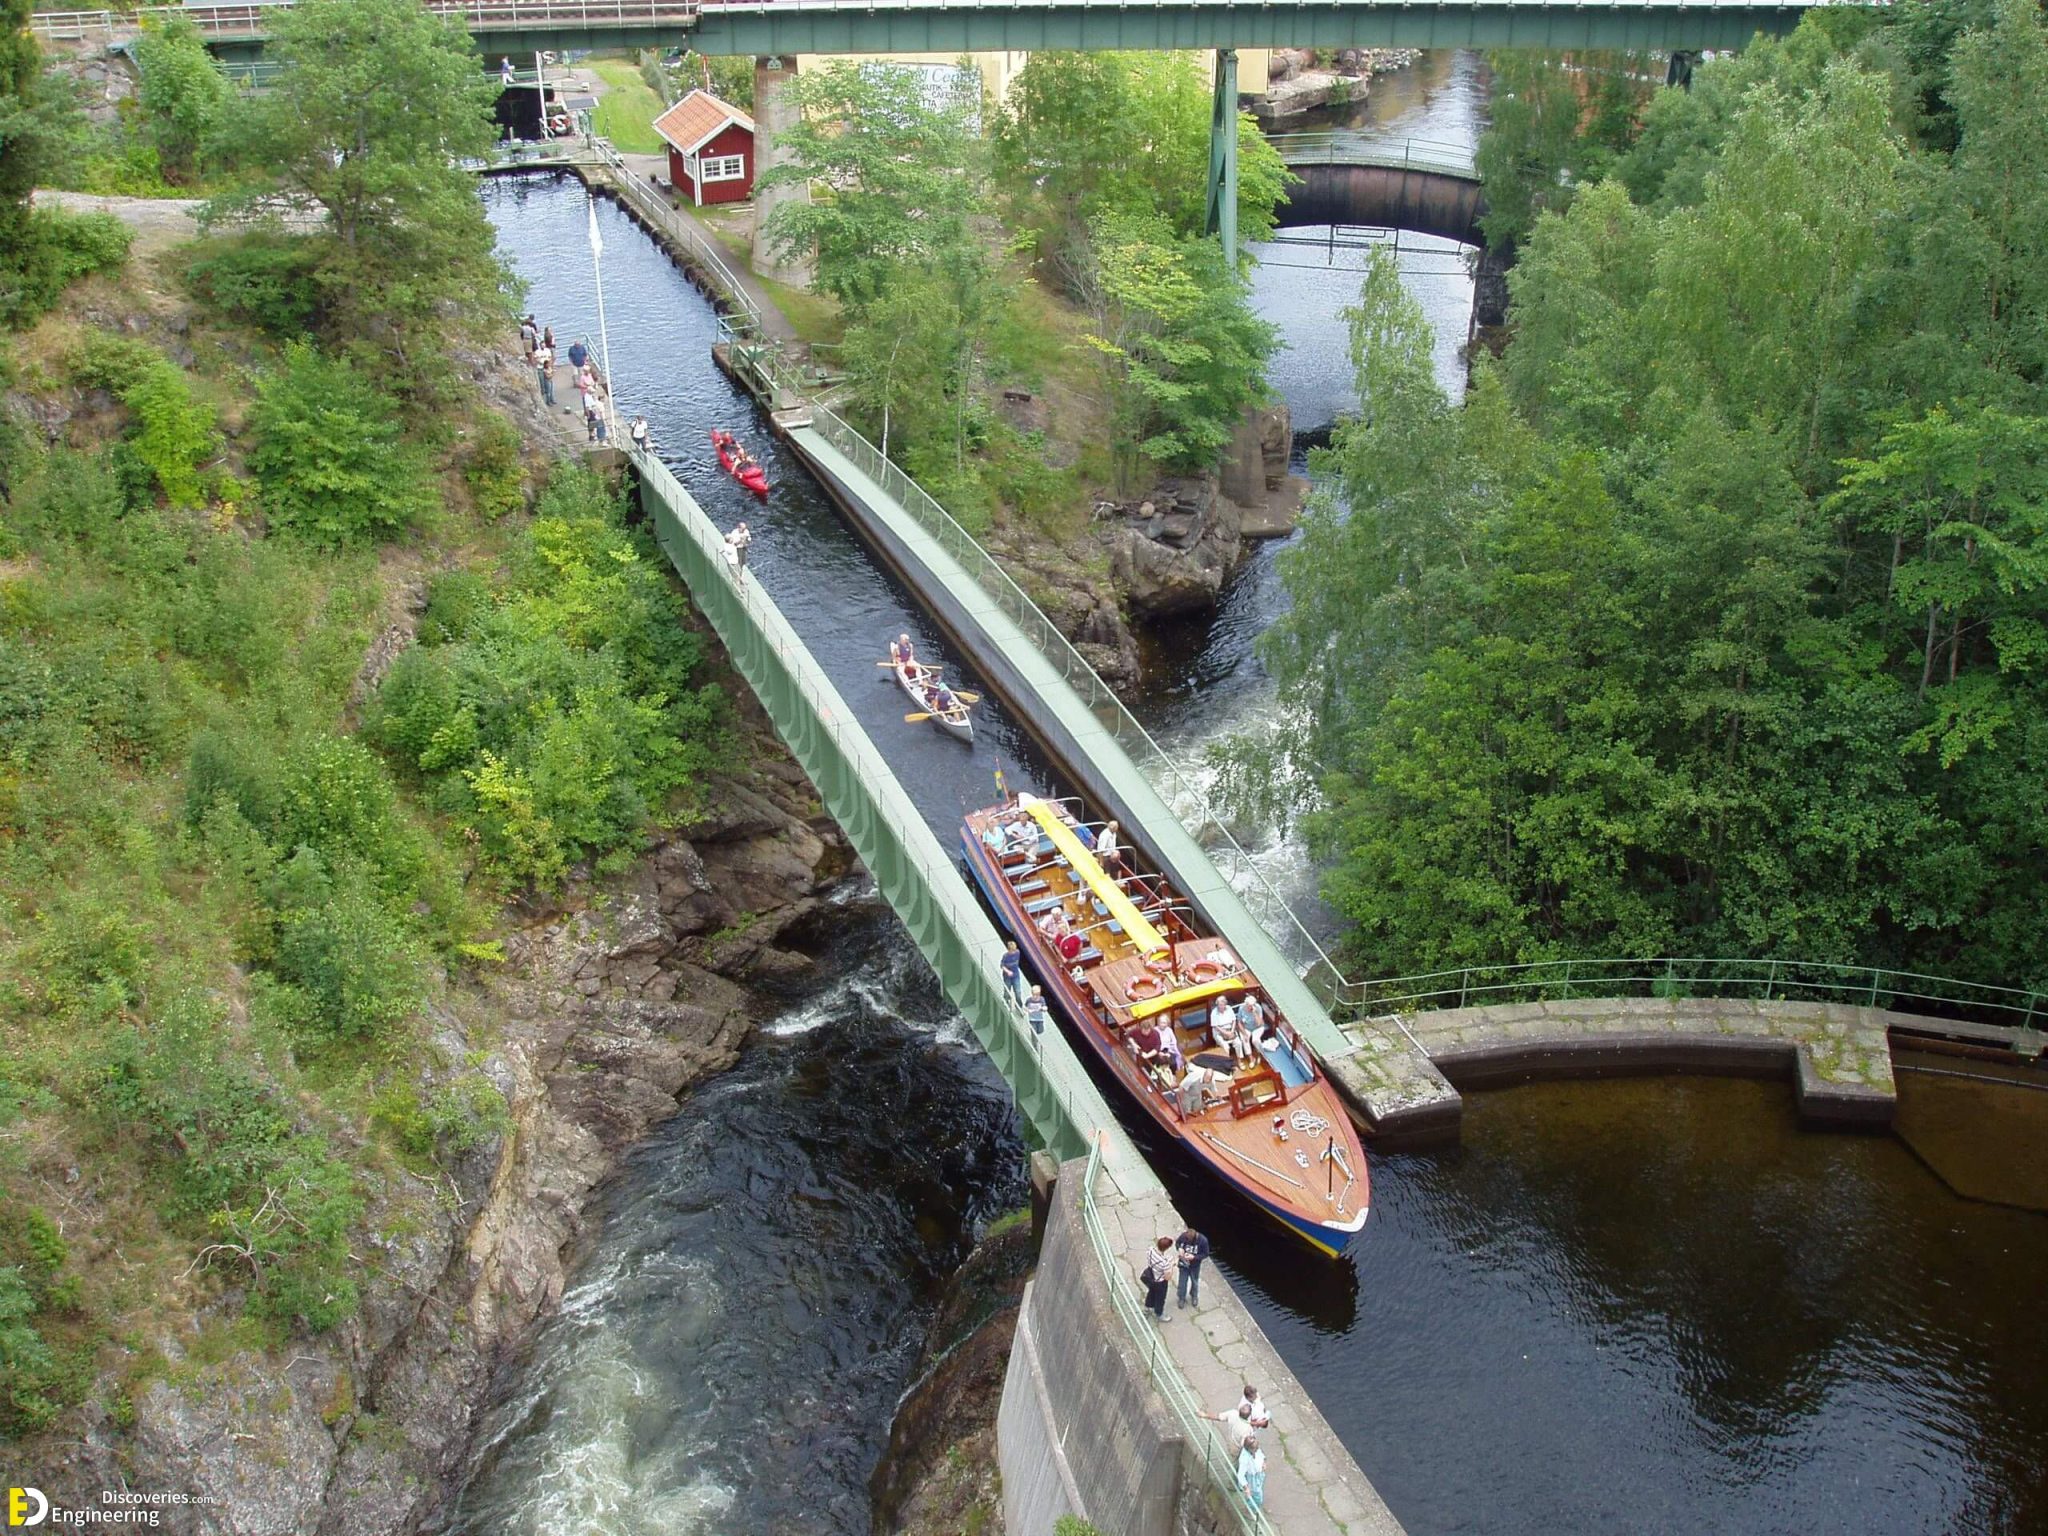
558,124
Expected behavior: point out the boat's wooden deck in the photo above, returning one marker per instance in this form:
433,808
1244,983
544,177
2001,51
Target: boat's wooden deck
1234,1126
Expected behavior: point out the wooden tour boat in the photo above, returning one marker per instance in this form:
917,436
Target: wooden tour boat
1125,961
919,681
750,474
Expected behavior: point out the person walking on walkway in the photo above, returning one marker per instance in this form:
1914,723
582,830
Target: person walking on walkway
544,370
1013,971
1034,1010
1158,1272
1251,1472
1192,1248
640,439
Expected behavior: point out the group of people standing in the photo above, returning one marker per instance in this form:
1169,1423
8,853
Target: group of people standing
1241,1423
592,391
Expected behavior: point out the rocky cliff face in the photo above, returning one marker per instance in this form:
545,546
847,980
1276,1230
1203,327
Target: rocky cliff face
1172,551
612,1002
1298,80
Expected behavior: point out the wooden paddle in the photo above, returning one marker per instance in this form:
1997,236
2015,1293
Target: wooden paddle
913,719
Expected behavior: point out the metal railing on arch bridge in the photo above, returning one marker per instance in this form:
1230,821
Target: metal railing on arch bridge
1347,147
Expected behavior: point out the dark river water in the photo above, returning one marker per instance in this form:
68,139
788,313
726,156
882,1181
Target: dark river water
1617,1307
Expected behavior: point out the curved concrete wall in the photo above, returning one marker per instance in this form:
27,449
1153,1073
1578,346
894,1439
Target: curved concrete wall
1428,202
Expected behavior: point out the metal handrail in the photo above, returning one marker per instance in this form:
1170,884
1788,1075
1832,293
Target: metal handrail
251,18
1694,976
656,209
1347,147
1160,1365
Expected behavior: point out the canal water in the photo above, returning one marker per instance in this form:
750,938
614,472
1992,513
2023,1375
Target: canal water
1618,1307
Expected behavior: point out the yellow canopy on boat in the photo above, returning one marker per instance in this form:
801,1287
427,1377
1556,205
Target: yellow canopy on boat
1107,891
1235,983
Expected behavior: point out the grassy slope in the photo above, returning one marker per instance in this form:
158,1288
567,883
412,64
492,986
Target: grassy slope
627,110
129,931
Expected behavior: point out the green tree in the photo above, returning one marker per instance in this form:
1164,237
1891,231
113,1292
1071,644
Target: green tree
41,250
375,106
329,456
183,94
1083,134
898,180
1185,351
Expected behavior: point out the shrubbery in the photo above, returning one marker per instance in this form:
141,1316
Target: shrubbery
329,454
559,722
269,281
277,1202
59,249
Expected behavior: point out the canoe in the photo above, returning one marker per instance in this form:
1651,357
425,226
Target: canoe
751,475
916,679
1264,1121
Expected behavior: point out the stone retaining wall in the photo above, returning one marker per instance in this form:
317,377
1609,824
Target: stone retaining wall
1838,1056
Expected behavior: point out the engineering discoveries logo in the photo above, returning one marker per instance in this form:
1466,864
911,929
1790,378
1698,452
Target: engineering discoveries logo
31,1506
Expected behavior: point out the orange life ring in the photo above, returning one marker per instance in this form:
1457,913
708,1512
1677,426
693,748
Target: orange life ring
1160,965
1142,986
1204,970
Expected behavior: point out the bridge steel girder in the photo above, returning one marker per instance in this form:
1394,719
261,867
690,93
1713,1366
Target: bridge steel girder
1221,218
769,27
1385,197
914,872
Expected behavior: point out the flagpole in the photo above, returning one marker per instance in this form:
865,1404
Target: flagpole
604,342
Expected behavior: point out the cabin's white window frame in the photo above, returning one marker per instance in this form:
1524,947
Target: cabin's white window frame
724,168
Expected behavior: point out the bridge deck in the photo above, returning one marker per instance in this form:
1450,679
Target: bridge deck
763,27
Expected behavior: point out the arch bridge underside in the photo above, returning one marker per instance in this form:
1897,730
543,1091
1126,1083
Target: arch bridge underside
1427,202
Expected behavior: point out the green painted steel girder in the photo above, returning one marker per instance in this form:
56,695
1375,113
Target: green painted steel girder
914,872
763,27
1222,213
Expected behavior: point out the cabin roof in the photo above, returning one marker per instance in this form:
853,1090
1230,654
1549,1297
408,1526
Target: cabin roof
696,120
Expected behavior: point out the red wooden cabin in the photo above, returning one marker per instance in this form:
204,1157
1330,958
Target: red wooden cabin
710,149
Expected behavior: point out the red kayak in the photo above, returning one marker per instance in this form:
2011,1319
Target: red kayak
749,474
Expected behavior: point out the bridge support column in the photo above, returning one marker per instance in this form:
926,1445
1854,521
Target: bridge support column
1222,214
774,112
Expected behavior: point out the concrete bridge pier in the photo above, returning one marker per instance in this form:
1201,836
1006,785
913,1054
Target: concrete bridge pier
774,113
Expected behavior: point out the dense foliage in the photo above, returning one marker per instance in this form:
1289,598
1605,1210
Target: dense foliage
41,249
1107,190
556,720
1083,135
224,918
1716,621
183,94
375,106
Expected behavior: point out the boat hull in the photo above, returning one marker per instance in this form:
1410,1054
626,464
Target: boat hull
752,476
1330,1233
960,727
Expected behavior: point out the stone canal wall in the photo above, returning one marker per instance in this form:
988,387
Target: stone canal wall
1085,1428
1838,1057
